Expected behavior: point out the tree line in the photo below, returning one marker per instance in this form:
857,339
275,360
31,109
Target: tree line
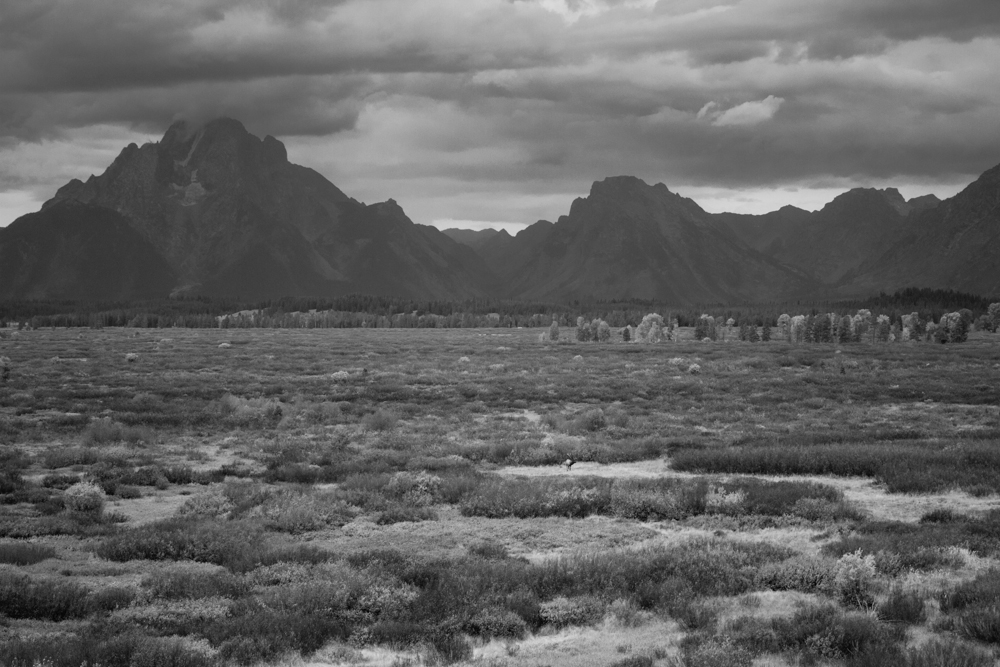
372,311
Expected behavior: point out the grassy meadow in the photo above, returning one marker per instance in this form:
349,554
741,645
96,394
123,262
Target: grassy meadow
396,497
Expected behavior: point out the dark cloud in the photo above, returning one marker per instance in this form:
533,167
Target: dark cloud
516,100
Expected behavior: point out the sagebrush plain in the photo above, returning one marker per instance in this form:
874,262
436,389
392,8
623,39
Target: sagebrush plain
397,497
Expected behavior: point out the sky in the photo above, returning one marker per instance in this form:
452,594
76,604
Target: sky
477,113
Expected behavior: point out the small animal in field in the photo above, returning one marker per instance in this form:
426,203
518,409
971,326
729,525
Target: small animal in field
568,463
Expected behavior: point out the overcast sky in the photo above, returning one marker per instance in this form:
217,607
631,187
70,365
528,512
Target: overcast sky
503,111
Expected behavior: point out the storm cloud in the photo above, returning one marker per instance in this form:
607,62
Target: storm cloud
504,110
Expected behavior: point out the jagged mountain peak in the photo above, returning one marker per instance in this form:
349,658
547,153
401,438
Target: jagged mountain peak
230,215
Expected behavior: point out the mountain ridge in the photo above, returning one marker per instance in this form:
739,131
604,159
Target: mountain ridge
212,209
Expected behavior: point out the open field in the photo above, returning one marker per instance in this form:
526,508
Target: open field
395,497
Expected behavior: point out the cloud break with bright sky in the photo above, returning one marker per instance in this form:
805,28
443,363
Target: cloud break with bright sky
486,112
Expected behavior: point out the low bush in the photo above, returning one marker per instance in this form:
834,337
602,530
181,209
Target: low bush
70,651
183,584
912,467
302,510
23,597
400,513
899,546
945,653
24,553
902,607
239,546
84,498
60,482
824,631
532,498
252,633
563,611
716,652
497,623
63,457
808,574
983,590
380,420
634,661
168,652
106,431
112,598
259,412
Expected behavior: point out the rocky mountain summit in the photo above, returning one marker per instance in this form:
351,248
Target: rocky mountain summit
230,215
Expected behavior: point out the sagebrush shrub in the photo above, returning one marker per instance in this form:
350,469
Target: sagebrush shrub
855,578
562,611
24,553
380,420
902,606
85,498
184,584
496,623
23,597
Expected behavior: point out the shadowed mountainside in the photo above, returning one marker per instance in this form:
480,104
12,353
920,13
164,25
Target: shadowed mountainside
630,239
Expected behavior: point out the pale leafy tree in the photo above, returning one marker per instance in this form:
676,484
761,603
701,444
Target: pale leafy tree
650,330
862,324
711,327
582,330
785,327
953,328
882,329
931,331
993,316
554,330
908,322
603,331
797,329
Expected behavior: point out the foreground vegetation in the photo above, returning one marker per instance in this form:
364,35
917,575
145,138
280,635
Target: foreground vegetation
174,497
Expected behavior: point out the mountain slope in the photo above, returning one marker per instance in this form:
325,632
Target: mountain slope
79,251
955,245
230,215
630,239
831,244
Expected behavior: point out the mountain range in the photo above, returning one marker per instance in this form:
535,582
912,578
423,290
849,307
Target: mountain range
213,210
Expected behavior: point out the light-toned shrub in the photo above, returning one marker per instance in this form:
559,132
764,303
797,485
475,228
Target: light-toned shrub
385,600
563,611
84,498
295,511
809,574
414,488
249,411
855,579
214,503
131,357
